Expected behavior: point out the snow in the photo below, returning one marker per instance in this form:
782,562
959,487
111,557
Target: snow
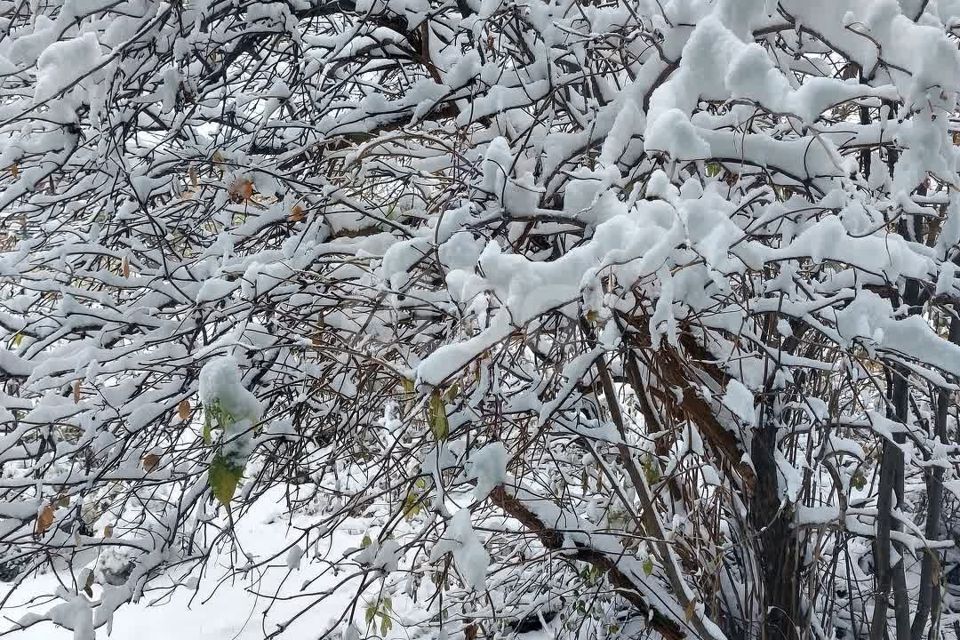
488,466
211,610
673,132
739,400
293,557
13,365
65,61
220,383
230,406
679,190
215,289
380,555
469,554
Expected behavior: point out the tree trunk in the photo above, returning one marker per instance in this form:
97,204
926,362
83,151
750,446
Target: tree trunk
777,540
930,568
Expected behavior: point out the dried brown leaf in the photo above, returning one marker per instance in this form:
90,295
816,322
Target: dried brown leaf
44,520
150,462
241,191
183,409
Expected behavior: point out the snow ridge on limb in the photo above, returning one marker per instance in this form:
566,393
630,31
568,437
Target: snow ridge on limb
563,532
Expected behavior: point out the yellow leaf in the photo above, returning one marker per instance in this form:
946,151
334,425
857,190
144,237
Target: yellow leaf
223,478
44,520
438,416
183,409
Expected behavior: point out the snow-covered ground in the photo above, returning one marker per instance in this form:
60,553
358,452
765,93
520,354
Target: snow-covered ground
228,611
234,609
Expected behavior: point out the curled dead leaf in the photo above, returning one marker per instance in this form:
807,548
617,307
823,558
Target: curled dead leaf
108,531
241,191
76,391
44,519
150,462
14,170
297,213
88,584
183,409
125,266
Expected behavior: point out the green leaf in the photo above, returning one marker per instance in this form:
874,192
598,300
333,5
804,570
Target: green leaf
438,416
452,392
411,505
648,566
385,624
651,469
212,413
858,481
207,428
366,542
223,477
370,614
713,169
